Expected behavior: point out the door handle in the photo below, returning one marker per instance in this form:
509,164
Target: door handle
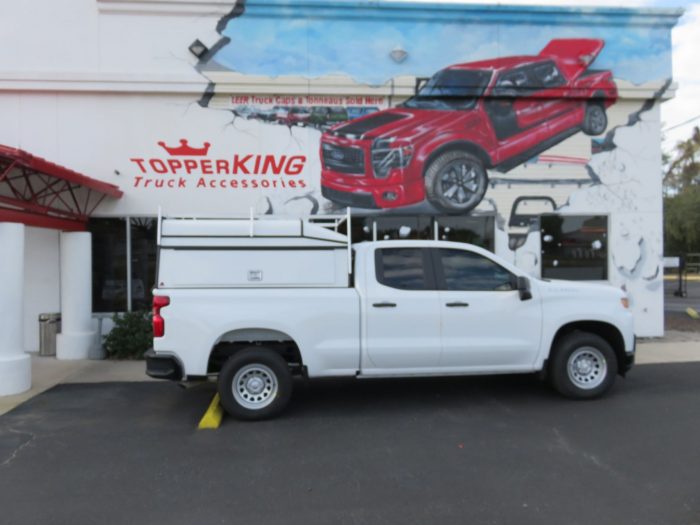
384,305
457,305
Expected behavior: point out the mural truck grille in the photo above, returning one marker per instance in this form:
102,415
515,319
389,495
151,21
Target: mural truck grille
344,159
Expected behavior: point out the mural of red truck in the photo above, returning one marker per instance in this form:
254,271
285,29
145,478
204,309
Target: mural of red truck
491,114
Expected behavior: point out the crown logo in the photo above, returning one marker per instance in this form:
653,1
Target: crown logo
184,149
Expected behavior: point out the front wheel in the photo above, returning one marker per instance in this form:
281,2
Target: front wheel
455,182
583,366
255,383
595,120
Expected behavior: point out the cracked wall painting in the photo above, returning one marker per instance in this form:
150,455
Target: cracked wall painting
309,109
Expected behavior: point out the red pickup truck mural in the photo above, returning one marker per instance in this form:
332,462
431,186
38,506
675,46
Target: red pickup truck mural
492,114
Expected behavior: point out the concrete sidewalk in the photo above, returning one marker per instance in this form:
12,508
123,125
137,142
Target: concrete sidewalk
47,372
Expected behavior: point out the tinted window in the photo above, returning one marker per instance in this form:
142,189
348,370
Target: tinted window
451,89
108,265
402,268
546,75
470,271
416,227
472,230
574,247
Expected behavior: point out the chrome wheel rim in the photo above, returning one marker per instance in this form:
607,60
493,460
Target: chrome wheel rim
255,386
587,368
459,182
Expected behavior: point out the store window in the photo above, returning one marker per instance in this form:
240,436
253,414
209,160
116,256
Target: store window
109,292
143,262
408,227
361,228
472,230
114,241
574,247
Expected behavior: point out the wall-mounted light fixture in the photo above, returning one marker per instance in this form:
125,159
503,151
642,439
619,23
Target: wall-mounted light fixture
398,54
198,49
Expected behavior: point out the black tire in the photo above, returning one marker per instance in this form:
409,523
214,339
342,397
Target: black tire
595,120
596,370
259,367
456,182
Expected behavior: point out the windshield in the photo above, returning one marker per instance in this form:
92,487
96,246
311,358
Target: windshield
451,89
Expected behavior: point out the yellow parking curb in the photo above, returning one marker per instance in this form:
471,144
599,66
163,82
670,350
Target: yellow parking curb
212,417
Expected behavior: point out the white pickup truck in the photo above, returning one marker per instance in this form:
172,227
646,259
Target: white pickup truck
256,302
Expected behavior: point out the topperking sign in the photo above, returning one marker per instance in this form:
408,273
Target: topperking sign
185,166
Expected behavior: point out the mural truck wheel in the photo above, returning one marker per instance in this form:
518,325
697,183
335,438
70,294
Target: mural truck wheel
455,182
595,121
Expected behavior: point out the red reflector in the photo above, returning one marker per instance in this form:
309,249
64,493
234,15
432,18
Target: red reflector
159,301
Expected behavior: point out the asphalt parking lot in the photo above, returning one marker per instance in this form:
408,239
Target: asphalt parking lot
461,450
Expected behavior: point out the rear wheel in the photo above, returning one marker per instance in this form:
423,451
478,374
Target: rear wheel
595,119
255,383
583,366
455,182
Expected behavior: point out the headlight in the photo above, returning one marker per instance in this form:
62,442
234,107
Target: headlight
388,154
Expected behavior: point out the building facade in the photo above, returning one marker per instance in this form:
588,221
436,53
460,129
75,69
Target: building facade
532,131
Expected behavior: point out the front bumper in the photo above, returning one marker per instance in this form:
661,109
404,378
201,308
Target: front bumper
628,362
362,192
161,366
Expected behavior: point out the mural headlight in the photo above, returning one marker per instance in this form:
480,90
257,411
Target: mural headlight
388,154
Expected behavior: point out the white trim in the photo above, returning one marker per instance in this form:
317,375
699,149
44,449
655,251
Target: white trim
171,7
102,82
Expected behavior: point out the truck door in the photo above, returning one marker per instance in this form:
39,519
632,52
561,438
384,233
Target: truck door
485,324
402,312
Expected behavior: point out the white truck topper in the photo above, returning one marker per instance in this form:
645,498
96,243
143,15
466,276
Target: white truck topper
251,252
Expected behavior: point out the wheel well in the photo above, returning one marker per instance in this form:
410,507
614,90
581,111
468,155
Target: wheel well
598,98
231,342
605,330
469,147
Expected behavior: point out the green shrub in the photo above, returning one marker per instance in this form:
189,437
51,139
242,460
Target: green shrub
131,336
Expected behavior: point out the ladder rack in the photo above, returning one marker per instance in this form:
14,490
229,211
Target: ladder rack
264,226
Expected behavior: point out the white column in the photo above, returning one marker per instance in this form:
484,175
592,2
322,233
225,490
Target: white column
77,333
15,365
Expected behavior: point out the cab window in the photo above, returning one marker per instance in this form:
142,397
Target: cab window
404,268
467,271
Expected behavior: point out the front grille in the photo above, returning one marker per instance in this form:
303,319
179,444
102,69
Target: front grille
343,159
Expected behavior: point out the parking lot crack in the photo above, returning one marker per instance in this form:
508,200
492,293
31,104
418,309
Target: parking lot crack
29,438
566,446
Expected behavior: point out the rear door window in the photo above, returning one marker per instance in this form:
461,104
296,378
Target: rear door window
404,268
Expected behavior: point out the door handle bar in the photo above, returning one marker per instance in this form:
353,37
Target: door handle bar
457,304
384,305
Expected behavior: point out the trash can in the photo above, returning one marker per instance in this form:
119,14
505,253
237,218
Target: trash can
49,326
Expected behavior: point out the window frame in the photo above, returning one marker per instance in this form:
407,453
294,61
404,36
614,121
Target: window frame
441,281
429,277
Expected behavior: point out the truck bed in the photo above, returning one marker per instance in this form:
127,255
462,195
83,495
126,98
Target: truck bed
323,321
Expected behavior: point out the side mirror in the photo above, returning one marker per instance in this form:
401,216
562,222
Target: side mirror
523,286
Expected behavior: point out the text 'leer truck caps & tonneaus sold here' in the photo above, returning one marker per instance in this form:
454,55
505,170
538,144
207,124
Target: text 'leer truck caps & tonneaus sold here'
256,302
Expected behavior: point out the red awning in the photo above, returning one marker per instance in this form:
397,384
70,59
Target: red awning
37,192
